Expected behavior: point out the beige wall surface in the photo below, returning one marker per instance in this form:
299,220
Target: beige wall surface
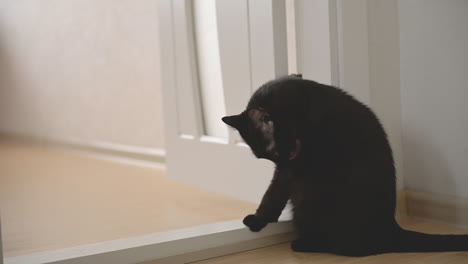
81,69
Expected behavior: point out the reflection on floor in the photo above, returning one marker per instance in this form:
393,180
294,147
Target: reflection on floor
282,253
52,199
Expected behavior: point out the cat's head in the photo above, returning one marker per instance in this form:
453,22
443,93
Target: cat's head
257,127
269,125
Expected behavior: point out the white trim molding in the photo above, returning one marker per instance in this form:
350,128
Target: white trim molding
177,246
96,148
437,207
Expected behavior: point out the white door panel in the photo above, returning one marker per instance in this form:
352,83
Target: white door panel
252,50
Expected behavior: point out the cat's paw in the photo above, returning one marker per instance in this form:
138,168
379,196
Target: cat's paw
254,223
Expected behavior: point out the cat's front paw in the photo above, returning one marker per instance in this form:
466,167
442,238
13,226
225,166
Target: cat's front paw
254,223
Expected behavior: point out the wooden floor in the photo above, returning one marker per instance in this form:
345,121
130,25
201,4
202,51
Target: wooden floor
282,254
51,199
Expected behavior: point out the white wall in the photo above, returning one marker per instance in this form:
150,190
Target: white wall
434,92
384,74
81,69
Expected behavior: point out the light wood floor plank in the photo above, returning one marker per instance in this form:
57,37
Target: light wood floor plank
51,199
282,254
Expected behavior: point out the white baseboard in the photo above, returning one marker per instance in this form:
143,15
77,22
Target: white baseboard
177,246
102,149
437,207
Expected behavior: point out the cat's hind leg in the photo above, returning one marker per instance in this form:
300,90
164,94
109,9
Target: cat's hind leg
309,245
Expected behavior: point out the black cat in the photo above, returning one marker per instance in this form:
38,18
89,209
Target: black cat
335,164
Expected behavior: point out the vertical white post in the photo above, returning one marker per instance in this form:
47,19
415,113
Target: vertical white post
291,36
313,40
353,47
268,40
233,36
188,106
209,67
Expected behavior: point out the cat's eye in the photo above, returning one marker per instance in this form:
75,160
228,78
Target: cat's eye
266,119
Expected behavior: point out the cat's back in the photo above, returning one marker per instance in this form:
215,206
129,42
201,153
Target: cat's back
291,94
312,102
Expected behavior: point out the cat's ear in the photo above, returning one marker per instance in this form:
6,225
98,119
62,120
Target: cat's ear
234,121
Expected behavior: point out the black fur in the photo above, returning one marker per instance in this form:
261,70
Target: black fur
341,182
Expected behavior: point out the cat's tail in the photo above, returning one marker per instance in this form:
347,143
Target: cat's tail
410,241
